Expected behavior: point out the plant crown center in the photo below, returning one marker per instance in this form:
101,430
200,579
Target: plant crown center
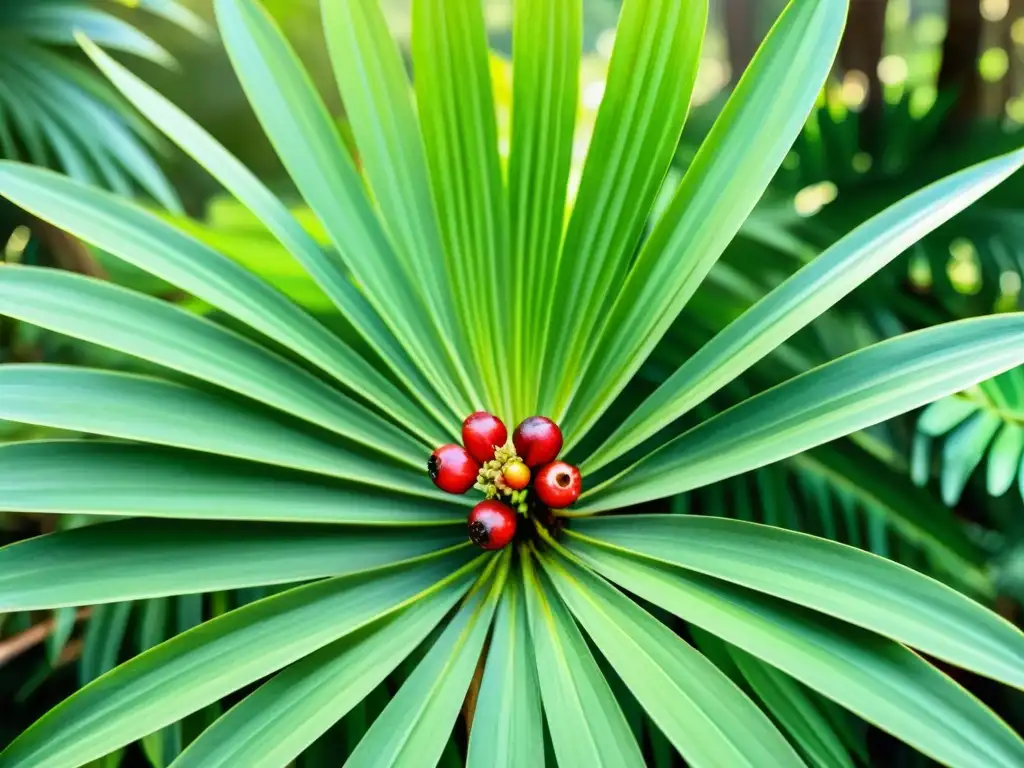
491,481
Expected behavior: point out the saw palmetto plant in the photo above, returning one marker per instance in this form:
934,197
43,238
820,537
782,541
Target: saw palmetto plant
268,450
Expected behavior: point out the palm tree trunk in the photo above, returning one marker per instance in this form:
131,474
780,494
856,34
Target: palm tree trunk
740,34
960,62
861,50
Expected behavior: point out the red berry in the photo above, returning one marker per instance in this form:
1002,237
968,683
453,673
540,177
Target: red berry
482,432
558,484
537,440
492,524
516,475
452,468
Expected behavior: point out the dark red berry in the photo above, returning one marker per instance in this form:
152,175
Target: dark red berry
537,440
482,432
558,484
492,524
452,468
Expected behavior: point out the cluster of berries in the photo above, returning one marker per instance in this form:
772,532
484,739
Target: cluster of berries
505,471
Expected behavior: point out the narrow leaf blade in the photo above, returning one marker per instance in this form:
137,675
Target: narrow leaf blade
833,400
415,726
844,582
99,477
133,559
507,728
748,142
156,411
202,665
706,717
874,677
803,297
585,721
284,716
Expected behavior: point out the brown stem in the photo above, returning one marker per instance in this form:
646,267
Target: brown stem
70,653
469,705
23,641
959,68
740,35
861,49
68,252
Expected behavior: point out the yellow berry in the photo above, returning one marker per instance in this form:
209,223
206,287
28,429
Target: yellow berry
516,475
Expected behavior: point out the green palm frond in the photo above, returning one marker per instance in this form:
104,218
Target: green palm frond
857,490
843,493
56,112
983,425
265,450
971,264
